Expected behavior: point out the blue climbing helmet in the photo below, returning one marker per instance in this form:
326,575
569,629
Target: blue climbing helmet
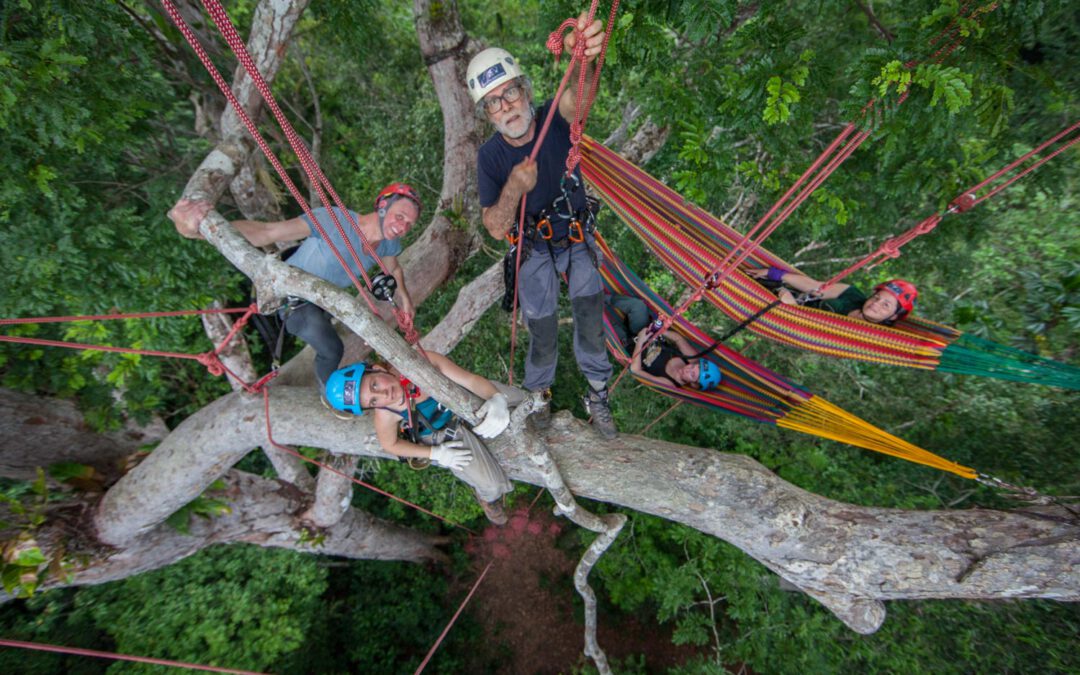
343,388
708,375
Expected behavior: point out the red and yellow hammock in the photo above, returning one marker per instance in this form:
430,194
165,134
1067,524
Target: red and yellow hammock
751,390
691,242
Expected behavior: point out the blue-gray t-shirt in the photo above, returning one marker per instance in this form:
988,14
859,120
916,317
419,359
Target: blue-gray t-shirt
497,158
315,256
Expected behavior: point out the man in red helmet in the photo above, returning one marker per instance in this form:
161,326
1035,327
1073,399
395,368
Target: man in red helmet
890,302
397,208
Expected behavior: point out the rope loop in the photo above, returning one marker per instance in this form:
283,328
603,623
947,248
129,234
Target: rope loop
554,42
212,363
927,226
259,385
890,249
405,323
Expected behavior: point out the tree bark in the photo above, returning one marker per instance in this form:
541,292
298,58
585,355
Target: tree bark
850,558
261,512
38,432
333,493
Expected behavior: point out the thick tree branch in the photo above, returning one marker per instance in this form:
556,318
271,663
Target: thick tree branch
472,302
237,358
848,557
261,512
37,432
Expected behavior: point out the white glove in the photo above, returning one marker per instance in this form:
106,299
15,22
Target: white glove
450,455
494,417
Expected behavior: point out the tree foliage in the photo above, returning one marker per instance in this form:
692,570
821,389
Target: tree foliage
98,140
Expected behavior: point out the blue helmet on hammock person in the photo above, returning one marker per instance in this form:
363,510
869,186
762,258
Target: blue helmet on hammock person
670,357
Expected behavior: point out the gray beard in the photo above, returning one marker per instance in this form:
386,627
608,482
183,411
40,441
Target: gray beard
527,117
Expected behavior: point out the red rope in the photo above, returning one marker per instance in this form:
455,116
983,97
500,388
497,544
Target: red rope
106,317
210,360
554,44
78,651
431,652
963,202
321,465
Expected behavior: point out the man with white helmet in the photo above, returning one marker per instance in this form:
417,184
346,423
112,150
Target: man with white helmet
557,239
397,208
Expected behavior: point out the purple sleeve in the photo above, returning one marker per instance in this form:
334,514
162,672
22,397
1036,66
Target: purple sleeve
776,274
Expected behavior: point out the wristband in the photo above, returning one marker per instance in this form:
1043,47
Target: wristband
776,274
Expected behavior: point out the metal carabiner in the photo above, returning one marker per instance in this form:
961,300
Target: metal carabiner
575,233
545,230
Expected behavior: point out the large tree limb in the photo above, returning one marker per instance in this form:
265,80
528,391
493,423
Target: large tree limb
37,432
261,512
848,557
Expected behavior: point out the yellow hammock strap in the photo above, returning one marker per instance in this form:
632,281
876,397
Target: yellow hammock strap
819,417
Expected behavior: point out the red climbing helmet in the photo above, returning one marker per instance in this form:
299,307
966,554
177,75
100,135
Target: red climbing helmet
387,194
904,292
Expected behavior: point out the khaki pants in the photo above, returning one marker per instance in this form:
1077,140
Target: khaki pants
483,473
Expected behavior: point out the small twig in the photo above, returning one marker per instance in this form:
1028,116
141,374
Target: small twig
869,12
712,613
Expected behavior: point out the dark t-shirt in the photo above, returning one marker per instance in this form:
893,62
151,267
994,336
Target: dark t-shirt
497,158
655,358
845,303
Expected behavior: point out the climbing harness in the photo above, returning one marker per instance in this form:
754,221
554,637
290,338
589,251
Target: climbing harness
584,102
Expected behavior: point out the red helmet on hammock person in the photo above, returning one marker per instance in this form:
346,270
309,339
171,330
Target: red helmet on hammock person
890,302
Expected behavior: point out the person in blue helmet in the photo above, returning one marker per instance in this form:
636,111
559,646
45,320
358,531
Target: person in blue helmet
670,359
431,432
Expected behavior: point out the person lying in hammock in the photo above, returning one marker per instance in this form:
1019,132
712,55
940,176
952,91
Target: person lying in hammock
890,302
434,433
670,359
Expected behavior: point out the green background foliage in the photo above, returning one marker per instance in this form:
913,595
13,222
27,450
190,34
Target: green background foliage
98,140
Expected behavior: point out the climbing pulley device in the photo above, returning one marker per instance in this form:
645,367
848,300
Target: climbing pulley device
383,287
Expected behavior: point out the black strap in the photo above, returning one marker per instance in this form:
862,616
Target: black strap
737,329
279,346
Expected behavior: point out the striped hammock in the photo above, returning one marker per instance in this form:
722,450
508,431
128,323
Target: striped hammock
691,242
750,390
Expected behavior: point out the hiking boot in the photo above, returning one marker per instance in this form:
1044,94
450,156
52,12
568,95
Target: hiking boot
541,417
340,414
494,511
597,406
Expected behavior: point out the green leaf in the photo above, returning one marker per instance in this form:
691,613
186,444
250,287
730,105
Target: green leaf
31,557
65,471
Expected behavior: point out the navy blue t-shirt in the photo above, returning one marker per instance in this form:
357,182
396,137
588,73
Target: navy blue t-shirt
497,158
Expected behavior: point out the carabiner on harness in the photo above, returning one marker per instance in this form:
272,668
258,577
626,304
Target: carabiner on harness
544,229
567,186
575,233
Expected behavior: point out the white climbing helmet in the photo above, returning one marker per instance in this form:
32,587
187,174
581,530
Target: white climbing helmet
488,70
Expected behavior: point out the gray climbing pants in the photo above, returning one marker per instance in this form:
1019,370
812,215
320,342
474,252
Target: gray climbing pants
538,293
